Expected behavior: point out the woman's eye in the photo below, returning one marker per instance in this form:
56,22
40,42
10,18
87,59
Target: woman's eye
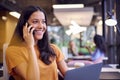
35,21
44,21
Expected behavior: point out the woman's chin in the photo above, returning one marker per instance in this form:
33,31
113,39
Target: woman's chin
38,37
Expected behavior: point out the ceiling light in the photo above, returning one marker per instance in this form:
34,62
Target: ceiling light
68,6
15,14
75,28
4,18
110,22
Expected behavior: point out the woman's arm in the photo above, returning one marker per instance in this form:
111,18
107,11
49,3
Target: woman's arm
88,48
33,72
62,67
30,70
100,59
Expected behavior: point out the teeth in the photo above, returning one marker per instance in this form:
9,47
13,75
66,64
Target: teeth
38,30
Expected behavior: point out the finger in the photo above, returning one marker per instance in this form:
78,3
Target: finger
25,29
26,24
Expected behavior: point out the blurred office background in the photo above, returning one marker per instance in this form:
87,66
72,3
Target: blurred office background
78,22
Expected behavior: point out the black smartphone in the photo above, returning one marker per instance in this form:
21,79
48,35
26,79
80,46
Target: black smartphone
30,28
28,24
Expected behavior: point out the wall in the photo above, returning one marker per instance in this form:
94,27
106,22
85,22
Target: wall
2,33
10,27
7,28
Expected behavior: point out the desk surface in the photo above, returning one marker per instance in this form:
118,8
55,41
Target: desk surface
83,57
110,70
106,73
110,75
87,57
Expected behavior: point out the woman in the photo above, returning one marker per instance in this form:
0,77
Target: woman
99,53
95,56
72,50
34,58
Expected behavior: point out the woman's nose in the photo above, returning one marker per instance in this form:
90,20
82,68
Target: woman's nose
41,25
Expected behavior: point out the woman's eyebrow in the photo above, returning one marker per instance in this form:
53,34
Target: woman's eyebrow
39,19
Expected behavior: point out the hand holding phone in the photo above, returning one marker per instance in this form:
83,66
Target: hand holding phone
30,28
27,34
28,24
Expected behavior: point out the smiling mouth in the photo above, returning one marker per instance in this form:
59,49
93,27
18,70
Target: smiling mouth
40,31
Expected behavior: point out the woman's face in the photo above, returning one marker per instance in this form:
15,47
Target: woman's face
37,20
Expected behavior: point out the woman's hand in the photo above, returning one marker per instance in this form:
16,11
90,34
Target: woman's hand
28,35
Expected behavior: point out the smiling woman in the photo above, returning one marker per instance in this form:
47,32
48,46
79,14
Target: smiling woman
33,57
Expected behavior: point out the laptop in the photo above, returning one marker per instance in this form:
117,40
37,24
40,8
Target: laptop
90,72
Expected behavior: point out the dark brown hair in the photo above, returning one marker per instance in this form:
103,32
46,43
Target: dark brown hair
100,42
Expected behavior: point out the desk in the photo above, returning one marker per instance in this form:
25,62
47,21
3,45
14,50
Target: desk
81,57
110,74
80,60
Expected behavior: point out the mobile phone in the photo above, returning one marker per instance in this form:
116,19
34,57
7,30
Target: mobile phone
30,28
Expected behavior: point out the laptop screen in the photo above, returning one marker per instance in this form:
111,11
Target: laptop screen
90,72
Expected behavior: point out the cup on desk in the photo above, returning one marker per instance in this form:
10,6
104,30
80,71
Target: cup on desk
79,64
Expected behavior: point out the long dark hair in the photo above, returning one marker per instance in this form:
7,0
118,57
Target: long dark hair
100,43
43,45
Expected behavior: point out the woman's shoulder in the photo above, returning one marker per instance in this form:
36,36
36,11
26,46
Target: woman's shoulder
14,49
54,46
58,52
11,50
98,50
11,45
